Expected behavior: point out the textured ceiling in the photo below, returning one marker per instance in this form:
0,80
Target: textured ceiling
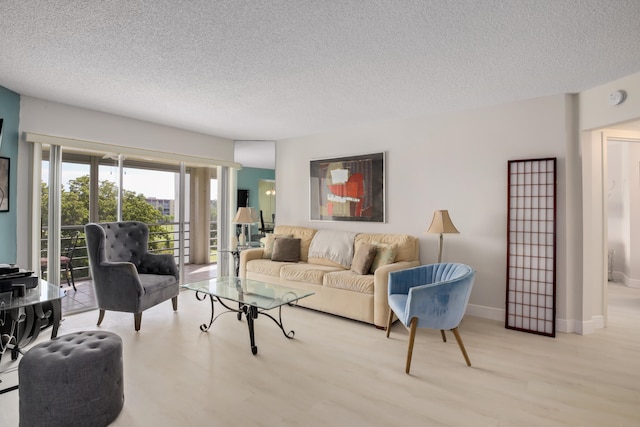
273,69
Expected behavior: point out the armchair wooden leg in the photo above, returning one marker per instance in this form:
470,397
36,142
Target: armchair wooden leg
389,322
137,319
464,352
412,338
100,317
444,337
174,302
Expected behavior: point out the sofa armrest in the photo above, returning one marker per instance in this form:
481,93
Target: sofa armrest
380,290
246,256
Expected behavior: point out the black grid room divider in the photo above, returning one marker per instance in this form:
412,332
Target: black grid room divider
531,246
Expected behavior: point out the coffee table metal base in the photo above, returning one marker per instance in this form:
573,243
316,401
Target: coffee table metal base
250,312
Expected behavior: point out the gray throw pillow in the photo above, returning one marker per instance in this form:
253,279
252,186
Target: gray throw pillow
286,250
363,258
268,243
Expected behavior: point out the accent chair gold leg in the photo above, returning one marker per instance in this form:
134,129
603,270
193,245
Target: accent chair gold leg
100,317
412,338
137,319
444,337
464,352
174,302
389,322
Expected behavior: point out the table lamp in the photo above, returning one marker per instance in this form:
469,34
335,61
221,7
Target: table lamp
243,217
441,224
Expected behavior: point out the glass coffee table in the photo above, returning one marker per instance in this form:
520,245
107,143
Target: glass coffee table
23,317
252,298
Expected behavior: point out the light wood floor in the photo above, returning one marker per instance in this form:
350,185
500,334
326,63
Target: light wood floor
338,372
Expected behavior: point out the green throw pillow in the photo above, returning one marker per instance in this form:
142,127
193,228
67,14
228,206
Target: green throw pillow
385,254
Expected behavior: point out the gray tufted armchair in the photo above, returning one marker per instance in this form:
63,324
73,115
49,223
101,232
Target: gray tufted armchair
125,276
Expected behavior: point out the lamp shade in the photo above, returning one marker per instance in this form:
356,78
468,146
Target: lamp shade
243,216
441,223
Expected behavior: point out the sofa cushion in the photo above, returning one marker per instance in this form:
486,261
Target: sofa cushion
363,258
286,249
336,246
349,280
265,266
324,261
385,254
268,243
306,273
407,249
305,234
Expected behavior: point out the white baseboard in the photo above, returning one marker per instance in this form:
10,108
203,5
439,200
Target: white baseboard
580,327
567,326
620,277
590,326
486,312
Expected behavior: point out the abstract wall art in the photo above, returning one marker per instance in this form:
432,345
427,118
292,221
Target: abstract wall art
4,184
348,188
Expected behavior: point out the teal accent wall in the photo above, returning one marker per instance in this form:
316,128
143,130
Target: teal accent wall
248,179
10,113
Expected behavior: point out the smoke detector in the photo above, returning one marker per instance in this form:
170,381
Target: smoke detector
617,97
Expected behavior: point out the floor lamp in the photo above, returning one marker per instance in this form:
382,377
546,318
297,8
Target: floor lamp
243,217
441,224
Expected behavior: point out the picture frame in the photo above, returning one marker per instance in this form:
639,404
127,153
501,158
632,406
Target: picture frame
348,188
4,184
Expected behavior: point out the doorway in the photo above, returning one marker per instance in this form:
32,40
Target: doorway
622,229
623,209
595,190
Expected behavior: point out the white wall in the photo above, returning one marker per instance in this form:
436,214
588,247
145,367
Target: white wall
632,266
617,190
595,110
50,118
455,161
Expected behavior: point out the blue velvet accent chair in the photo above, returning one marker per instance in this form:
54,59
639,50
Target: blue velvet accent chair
431,296
127,277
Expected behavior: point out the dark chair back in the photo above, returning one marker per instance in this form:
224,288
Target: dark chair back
262,230
126,241
71,247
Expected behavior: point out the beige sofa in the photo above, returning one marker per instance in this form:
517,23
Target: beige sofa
338,290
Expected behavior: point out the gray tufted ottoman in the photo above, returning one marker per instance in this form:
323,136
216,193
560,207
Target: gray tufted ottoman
72,380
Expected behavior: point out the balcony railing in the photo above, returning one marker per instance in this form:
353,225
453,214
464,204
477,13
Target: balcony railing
213,242
80,258
163,238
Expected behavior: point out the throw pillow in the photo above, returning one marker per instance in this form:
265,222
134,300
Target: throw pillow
385,254
286,249
268,243
363,259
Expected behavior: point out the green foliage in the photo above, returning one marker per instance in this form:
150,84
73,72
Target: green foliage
213,215
44,203
74,208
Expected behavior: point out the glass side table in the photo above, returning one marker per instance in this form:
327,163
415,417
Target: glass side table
236,253
23,317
